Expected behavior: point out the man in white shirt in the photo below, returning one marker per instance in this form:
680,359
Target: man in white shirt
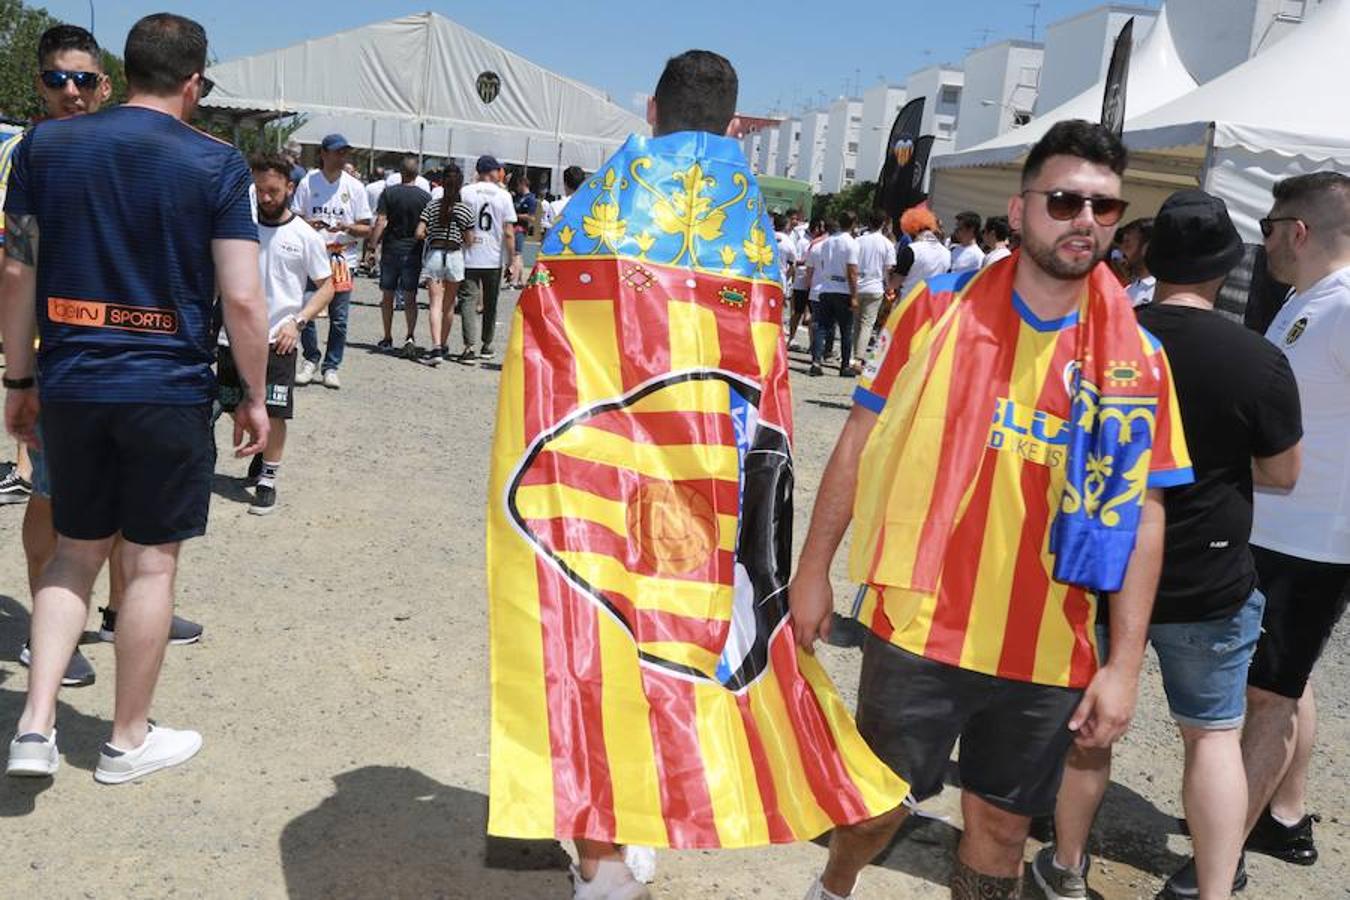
290,255
804,236
395,177
373,191
996,236
966,252
1301,539
573,177
787,251
876,260
494,218
1134,238
335,204
834,266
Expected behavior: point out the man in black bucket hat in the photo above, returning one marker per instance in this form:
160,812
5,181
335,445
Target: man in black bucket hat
1240,412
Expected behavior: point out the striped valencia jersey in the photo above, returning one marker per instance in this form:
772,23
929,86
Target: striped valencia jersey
997,609
6,161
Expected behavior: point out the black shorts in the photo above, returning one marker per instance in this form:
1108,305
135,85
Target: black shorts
400,269
280,399
1304,601
137,468
1014,734
799,298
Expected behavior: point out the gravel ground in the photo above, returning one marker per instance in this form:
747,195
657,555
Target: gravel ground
342,691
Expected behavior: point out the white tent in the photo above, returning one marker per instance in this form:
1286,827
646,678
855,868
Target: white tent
1274,116
984,176
424,84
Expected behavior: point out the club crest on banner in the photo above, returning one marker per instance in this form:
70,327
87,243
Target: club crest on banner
489,85
903,151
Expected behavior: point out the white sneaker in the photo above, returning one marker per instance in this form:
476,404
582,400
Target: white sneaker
163,747
330,379
818,892
641,861
612,881
305,374
33,755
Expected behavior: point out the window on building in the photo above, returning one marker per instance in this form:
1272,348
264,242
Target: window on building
855,119
1293,9
852,147
1020,118
848,174
1030,77
950,96
944,128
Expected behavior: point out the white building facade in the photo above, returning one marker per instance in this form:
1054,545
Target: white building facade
811,153
789,148
880,104
840,166
1078,50
1001,83
941,88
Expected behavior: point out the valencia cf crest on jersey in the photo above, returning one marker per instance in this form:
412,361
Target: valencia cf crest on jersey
489,85
1296,331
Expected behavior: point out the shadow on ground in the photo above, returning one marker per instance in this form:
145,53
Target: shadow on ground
394,832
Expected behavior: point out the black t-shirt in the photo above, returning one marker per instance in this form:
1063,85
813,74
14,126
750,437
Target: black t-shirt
1238,400
401,205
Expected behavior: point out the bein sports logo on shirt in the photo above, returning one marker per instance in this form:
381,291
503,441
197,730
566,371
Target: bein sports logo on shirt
96,314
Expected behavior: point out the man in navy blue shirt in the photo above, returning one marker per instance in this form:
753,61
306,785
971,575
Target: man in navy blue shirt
122,293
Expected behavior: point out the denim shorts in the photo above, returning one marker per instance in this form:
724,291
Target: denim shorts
1204,665
443,265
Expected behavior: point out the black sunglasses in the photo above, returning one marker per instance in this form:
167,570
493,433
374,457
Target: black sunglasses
207,86
56,79
1066,205
1268,225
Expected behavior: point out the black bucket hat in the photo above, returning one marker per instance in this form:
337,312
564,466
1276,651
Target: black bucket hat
1193,239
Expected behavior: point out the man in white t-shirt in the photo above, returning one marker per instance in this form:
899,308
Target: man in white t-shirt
834,267
573,177
373,191
494,217
876,261
393,178
924,256
1301,539
804,236
335,204
966,252
787,250
997,233
1134,238
290,256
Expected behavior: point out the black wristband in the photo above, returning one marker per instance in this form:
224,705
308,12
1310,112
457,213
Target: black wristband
18,384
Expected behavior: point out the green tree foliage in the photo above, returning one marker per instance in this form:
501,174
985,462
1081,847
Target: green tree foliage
856,199
20,28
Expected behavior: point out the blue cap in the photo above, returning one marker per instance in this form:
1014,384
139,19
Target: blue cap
297,173
487,163
334,142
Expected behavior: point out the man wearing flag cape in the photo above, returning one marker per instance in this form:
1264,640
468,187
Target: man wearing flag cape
646,689
1016,426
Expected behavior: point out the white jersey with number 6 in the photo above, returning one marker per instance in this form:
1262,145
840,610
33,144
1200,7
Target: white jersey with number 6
492,208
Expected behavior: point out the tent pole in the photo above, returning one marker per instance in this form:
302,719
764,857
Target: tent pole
527,158
370,170
421,138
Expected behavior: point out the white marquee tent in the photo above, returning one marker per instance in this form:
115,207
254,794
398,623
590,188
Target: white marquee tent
424,84
984,176
1276,115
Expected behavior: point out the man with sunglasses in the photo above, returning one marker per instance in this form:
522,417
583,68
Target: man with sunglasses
1301,538
122,296
973,420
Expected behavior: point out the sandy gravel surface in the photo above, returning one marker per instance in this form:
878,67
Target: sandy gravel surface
342,691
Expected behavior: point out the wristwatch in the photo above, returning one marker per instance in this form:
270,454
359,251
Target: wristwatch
300,321
18,384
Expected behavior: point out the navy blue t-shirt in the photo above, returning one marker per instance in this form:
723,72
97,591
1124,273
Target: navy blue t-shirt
127,204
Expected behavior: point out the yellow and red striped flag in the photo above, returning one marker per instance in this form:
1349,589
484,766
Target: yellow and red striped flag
645,685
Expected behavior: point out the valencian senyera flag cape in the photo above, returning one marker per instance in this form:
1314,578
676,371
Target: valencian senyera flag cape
645,685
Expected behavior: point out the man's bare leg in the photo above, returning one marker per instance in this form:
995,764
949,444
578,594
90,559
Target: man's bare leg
142,635
1214,795
39,539
387,314
1268,740
853,847
276,442
1087,773
989,857
1290,802
60,609
590,853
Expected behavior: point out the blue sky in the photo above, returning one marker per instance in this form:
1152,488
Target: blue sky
787,52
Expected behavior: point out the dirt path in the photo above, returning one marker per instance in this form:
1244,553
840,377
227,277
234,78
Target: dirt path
342,691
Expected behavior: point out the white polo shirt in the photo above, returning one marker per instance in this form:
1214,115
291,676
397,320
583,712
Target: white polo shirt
832,258
966,257
1313,520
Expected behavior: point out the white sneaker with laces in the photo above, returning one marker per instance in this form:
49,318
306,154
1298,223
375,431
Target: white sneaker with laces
305,374
163,747
33,755
331,380
818,892
612,881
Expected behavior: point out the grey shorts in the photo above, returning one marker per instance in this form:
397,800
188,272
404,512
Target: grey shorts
1014,734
